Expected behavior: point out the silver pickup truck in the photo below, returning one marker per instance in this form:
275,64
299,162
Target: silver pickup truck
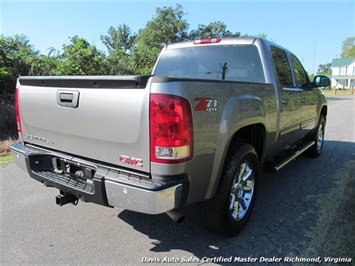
213,114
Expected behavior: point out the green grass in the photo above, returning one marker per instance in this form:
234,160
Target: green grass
5,156
334,234
6,159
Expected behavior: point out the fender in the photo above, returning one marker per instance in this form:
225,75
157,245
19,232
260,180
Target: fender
322,108
239,112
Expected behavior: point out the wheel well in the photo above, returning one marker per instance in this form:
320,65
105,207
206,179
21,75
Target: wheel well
254,135
324,112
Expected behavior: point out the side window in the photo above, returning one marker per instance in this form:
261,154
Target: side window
301,77
282,67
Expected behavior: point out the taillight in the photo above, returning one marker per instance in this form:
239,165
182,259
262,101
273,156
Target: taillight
17,109
171,133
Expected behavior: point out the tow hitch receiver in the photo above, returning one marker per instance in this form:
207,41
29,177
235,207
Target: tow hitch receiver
65,198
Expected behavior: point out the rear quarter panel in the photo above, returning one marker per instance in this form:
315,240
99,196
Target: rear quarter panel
234,105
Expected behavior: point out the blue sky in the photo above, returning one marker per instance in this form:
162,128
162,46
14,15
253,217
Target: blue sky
314,31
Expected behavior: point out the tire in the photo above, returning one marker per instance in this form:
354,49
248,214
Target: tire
230,209
318,136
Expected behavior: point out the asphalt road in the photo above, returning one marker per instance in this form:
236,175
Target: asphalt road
36,231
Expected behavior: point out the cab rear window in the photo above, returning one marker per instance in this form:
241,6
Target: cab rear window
232,62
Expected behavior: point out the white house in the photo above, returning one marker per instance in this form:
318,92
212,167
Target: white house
343,73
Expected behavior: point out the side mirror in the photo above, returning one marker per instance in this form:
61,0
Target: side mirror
321,81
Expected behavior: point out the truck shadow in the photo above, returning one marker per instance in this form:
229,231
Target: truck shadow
284,212
339,98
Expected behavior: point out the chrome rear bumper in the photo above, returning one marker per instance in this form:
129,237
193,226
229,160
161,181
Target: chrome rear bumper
140,200
101,184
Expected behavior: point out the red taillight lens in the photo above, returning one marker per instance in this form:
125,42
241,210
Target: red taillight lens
17,109
171,133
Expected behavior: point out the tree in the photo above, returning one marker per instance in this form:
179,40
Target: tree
17,57
118,39
46,65
167,26
119,43
81,58
260,35
119,63
325,69
215,29
348,49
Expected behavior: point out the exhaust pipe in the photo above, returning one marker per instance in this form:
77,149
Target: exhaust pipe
65,199
177,217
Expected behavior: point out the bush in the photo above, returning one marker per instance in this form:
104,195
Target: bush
8,125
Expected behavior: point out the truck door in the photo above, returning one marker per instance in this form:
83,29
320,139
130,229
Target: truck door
307,96
289,100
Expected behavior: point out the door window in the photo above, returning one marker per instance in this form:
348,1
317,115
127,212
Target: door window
301,77
282,67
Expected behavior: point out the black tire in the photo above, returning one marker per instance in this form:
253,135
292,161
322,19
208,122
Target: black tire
230,209
318,136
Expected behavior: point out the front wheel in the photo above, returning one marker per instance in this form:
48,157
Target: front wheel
318,136
228,212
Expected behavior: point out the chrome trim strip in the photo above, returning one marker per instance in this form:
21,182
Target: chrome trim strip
292,89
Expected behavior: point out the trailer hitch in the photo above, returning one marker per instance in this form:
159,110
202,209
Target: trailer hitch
65,198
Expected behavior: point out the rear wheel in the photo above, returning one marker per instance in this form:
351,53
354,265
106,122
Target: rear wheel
318,136
228,212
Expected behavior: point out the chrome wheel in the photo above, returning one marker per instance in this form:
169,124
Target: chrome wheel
320,137
230,209
241,192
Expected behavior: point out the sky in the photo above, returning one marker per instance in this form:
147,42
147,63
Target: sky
313,30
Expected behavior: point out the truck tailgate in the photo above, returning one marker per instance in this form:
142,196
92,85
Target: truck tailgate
101,118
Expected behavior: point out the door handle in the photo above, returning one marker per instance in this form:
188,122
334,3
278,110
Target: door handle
68,98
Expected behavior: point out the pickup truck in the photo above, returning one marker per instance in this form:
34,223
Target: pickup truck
200,129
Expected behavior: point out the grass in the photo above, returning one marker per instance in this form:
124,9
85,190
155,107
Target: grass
334,234
6,159
5,156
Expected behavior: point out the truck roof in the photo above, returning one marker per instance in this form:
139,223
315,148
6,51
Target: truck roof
225,41
213,41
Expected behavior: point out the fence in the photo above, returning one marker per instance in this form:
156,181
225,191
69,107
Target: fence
335,91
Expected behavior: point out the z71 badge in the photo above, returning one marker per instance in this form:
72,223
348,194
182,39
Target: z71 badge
206,105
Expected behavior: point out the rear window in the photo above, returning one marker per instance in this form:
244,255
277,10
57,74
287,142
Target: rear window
232,62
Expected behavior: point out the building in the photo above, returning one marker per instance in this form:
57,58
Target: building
343,73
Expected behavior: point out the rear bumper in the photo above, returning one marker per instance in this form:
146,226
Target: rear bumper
101,184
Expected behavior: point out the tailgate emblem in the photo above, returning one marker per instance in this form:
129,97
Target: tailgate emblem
39,139
131,161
